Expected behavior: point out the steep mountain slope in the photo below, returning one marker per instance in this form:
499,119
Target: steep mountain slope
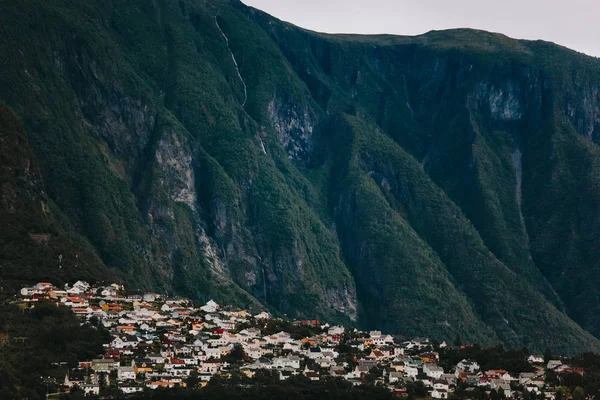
440,185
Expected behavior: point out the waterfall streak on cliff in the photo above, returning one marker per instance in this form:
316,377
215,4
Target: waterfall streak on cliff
237,69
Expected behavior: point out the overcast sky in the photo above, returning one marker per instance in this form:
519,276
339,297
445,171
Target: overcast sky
571,23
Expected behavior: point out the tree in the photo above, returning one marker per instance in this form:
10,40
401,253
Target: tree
416,388
102,380
563,393
578,393
457,341
238,353
193,380
497,394
547,355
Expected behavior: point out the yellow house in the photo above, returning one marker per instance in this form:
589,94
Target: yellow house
398,367
225,352
248,372
142,367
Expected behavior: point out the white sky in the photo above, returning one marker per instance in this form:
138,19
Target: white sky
571,23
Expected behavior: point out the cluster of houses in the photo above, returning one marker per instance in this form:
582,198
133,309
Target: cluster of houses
163,342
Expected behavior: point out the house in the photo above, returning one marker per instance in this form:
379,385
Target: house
310,322
250,332
150,297
468,366
126,373
114,307
254,352
109,291
337,371
142,366
262,315
161,384
552,364
526,377
374,334
81,285
312,375
336,330
286,373
43,286
90,389
104,365
287,362
324,362
261,363
505,389
131,389
28,291
441,384
433,371
74,302
210,307
439,394
156,358
358,372
532,388
535,359
395,376
430,357
115,354
450,378
411,371
314,353
380,340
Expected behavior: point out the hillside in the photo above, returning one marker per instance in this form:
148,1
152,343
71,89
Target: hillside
445,184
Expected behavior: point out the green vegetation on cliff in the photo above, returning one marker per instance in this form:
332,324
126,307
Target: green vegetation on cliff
440,185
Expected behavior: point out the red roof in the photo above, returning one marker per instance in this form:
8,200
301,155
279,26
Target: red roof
75,300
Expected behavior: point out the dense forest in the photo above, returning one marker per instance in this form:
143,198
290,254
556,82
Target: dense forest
38,345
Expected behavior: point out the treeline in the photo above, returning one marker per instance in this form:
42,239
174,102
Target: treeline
37,345
267,386
513,361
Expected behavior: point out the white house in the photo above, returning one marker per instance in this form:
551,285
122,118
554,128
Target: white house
28,291
468,366
149,297
394,376
210,307
125,373
262,315
553,364
411,370
534,359
254,352
131,389
91,389
433,371
287,362
336,330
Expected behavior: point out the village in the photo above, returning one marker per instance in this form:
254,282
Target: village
162,342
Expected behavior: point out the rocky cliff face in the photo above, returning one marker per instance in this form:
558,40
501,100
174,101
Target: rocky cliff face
439,185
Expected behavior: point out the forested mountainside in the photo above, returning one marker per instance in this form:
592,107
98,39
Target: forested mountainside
445,184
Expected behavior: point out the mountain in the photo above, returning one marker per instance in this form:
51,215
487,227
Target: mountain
445,185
